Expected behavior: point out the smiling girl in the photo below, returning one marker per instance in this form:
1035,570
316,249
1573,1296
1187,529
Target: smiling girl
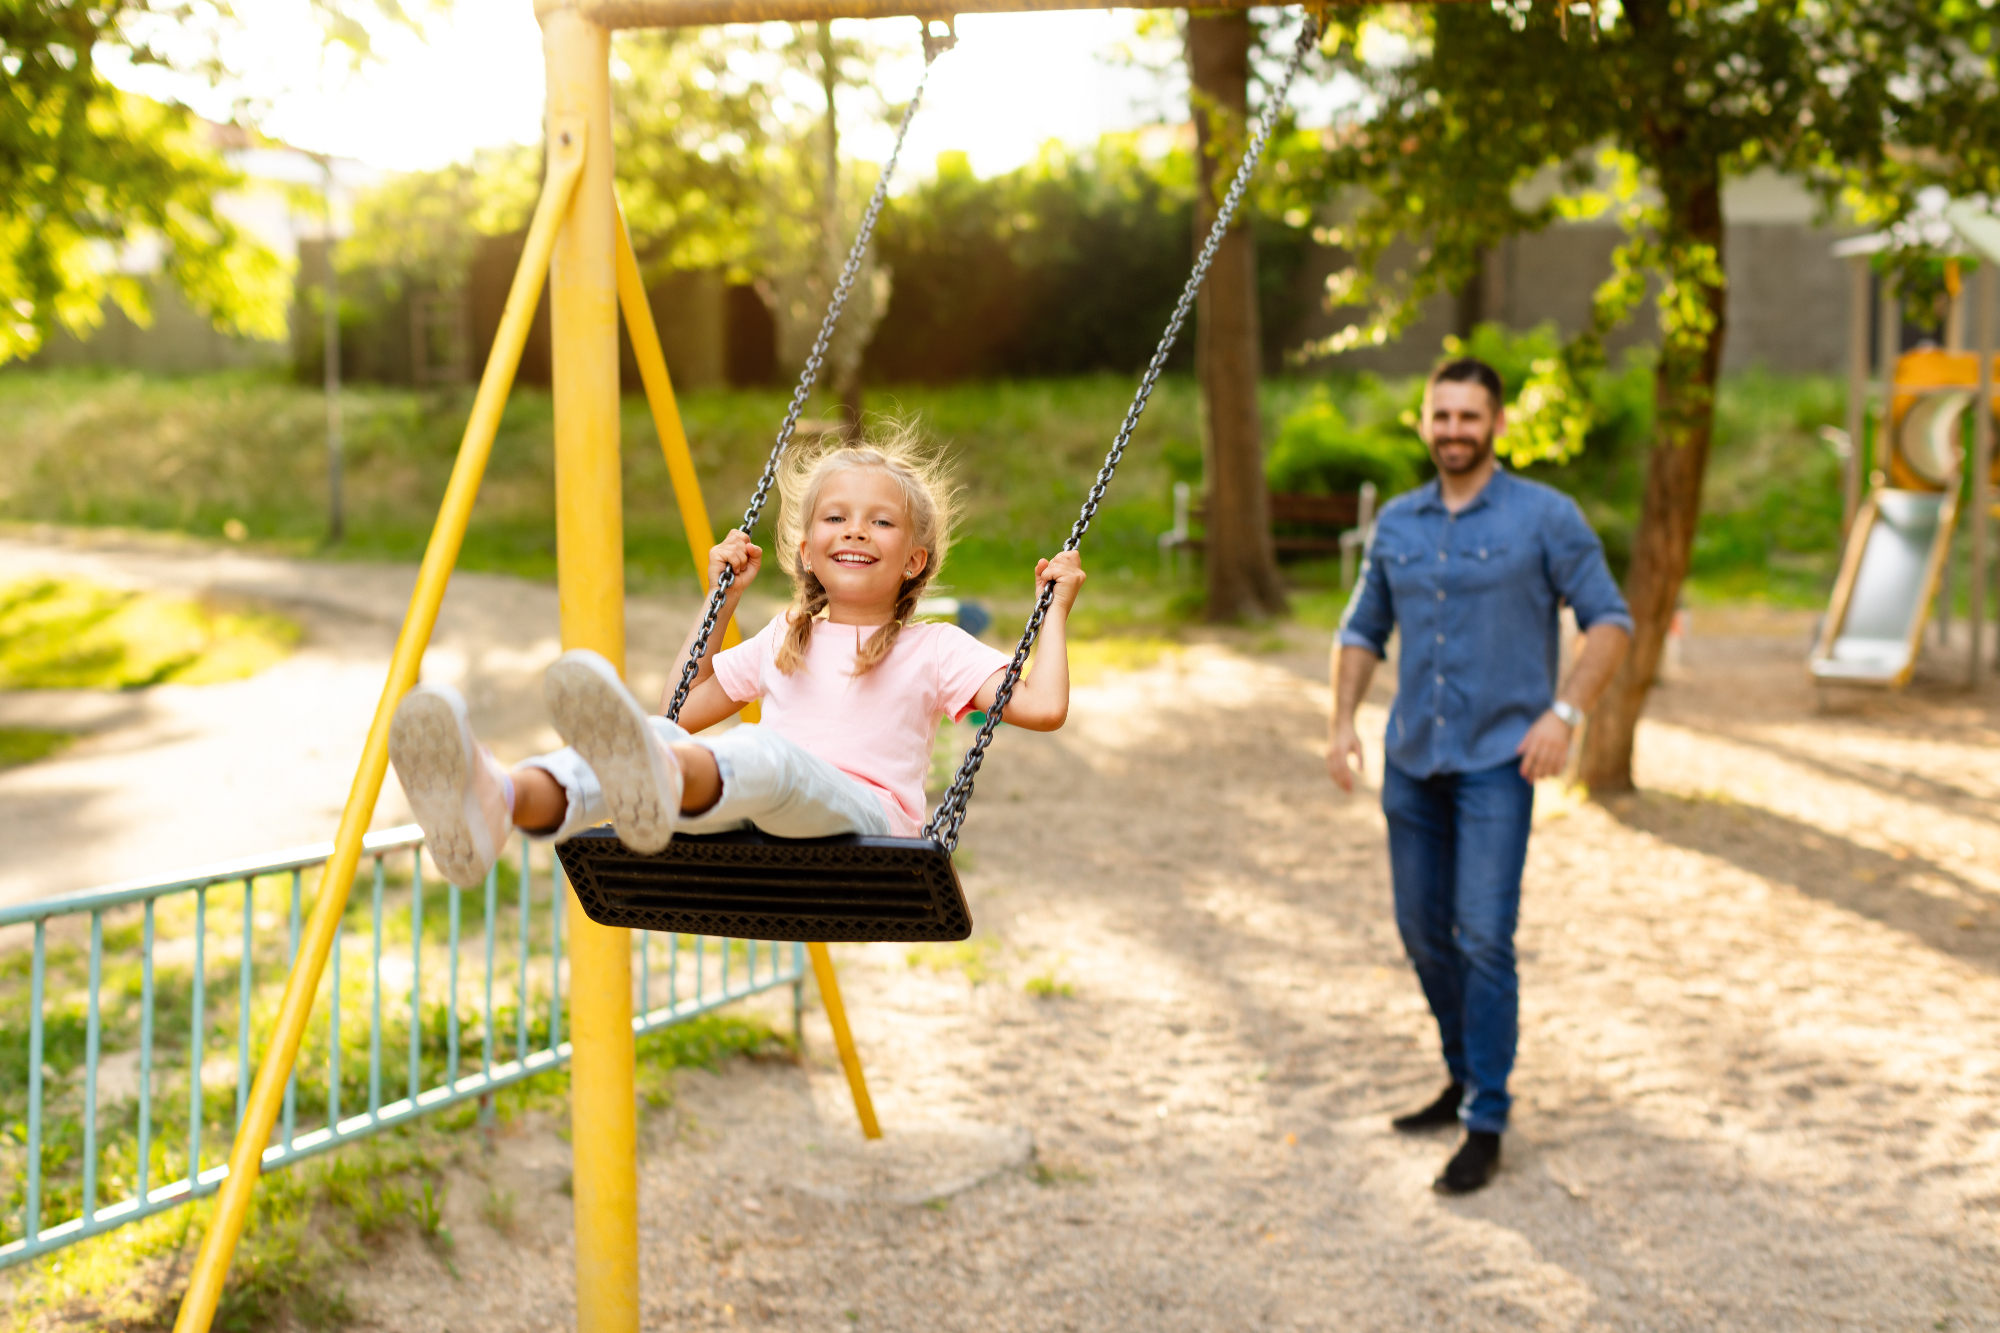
851,688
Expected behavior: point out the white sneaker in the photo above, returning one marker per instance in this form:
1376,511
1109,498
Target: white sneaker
639,775
455,785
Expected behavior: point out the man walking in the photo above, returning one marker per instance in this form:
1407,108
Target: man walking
1471,568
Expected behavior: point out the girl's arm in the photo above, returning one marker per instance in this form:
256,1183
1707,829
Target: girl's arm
706,696
1041,700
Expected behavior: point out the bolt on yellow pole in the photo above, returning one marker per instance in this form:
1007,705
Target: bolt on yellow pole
590,580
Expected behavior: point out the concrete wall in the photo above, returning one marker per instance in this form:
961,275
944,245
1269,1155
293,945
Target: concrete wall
1787,293
178,342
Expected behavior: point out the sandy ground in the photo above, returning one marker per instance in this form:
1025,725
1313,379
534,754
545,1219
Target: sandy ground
1758,1072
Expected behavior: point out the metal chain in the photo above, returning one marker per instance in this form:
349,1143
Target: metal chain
807,378
950,815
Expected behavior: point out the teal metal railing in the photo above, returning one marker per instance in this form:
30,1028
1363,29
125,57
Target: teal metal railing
117,1085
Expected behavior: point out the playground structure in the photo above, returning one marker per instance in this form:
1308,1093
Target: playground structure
1896,561
578,240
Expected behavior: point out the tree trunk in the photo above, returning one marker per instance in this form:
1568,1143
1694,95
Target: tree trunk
1242,564
1684,408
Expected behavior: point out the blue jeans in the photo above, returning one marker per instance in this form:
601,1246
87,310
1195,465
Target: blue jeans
1457,842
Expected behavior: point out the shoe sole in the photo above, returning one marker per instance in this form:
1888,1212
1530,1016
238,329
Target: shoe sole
431,747
595,714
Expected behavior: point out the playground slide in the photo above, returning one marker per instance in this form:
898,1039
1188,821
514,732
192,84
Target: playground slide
1888,578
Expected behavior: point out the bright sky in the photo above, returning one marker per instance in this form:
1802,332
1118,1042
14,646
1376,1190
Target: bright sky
1015,81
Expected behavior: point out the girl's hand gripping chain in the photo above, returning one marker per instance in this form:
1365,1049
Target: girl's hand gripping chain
1066,572
737,552
706,703
1041,700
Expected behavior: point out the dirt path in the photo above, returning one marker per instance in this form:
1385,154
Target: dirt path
1760,1057
177,776
1759,1063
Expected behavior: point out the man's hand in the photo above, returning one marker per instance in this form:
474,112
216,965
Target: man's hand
1545,749
735,552
1343,757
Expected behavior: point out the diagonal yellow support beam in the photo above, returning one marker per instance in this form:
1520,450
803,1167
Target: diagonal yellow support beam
659,384
701,535
565,157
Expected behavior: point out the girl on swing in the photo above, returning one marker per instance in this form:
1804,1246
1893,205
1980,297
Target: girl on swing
852,691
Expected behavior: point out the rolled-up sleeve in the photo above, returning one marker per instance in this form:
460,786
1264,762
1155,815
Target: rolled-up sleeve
1578,572
1371,612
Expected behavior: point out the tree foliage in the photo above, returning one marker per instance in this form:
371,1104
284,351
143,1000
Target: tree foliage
86,169
1069,264
1479,122
95,180
1495,120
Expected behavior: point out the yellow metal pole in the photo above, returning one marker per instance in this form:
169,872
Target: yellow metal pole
590,580
843,1040
667,421
211,1267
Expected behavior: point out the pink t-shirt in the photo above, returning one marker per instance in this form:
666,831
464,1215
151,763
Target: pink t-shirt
876,728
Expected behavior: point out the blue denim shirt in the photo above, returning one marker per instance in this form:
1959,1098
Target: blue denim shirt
1475,595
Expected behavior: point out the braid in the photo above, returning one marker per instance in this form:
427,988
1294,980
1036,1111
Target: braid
806,606
876,651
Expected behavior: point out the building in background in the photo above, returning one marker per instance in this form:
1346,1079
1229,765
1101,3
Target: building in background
1787,292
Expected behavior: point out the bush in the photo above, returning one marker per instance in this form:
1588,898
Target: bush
1318,451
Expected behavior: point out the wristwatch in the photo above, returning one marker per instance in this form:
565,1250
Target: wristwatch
1571,715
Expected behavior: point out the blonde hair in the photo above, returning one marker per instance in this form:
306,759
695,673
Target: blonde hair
928,502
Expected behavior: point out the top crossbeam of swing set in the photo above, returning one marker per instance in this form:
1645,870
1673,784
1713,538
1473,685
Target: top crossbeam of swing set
614,14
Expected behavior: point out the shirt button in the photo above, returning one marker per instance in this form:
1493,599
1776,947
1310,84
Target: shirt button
1440,722
1440,638
1440,594
1440,680
1440,555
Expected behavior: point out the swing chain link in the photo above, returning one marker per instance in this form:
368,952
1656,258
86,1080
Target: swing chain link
949,817
807,378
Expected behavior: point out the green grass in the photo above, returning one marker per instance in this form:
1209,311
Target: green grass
198,454
977,958
1046,986
242,454
309,1223
314,1217
58,634
24,745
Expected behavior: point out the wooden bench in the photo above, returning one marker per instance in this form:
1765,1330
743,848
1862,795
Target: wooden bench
1344,521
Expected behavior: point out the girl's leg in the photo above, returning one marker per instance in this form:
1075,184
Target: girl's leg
540,802
767,781
461,796
607,729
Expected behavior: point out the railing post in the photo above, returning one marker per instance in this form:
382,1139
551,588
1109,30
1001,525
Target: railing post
590,575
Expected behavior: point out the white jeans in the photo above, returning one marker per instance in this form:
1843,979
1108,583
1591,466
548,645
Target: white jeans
767,781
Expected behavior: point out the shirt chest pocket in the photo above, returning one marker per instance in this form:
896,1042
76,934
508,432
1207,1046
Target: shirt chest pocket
1480,565
1404,566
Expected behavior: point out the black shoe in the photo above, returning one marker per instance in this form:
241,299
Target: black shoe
1442,1112
1473,1166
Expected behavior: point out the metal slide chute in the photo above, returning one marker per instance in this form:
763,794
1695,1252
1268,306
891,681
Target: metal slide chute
1888,576
1897,548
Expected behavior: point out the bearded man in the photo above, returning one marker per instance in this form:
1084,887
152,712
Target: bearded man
1472,568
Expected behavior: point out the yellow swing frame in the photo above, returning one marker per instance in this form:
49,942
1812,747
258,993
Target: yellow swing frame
578,241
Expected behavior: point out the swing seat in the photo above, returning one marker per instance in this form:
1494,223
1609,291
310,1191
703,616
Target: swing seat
748,885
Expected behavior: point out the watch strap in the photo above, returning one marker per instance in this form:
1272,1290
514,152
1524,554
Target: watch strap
1568,712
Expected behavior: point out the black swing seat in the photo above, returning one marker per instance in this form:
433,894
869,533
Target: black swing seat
751,886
